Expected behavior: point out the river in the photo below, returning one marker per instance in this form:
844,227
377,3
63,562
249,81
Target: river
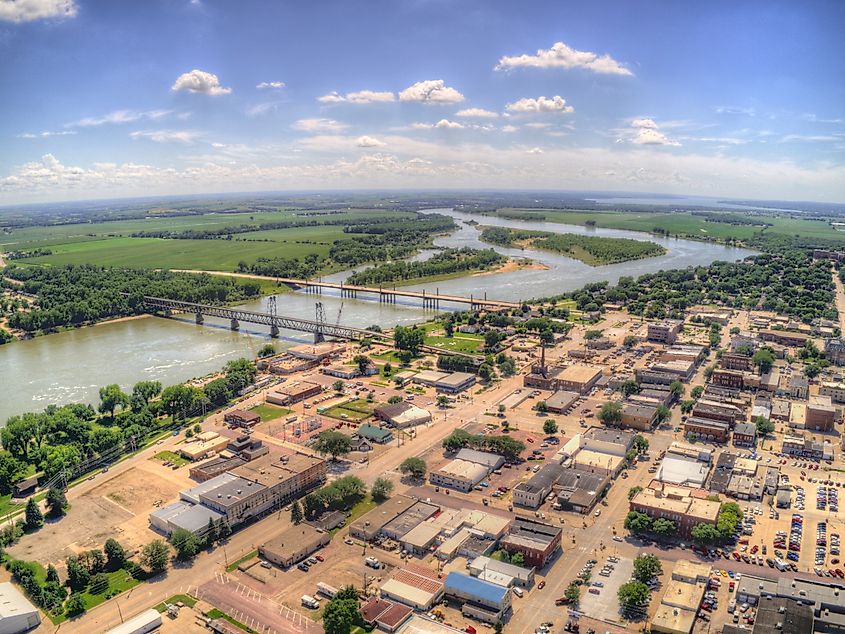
71,366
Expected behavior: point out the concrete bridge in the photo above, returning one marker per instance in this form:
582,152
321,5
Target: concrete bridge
389,295
276,322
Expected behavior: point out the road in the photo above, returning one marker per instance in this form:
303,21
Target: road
840,300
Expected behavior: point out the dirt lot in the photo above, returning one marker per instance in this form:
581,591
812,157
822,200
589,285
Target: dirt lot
117,508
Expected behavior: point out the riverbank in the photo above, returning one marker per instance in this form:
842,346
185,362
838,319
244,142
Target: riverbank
515,264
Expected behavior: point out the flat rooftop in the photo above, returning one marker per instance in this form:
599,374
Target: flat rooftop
579,373
270,469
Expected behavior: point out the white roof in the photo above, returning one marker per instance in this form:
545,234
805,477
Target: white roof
422,534
136,623
13,602
680,471
471,471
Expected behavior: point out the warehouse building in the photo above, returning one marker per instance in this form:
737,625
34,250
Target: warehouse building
293,392
562,401
532,494
415,586
402,415
369,525
518,575
484,601
578,378
409,519
461,475
538,542
451,382
294,544
491,461
17,614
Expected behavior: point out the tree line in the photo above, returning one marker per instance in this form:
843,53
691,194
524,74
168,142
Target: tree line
443,263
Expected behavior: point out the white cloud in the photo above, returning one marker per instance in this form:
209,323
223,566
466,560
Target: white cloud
319,125
480,113
534,150
562,56
167,136
812,138
46,134
29,10
359,97
650,136
540,104
422,126
270,85
431,91
509,128
644,122
199,81
368,141
537,125
445,124
119,116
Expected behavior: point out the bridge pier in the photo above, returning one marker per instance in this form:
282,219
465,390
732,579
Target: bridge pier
235,325
274,331
168,312
319,337
200,319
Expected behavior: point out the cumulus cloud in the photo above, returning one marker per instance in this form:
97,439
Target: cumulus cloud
359,97
431,91
199,81
445,124
562,56
540,104
270,85
30,10
45,134
644,122
332,97
479,113
368,141
167,136
319,125
119,116
534,150
645,131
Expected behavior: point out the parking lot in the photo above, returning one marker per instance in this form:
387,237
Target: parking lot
600,601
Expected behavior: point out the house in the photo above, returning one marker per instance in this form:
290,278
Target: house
241,418
384,614
745,435
294,544
537,541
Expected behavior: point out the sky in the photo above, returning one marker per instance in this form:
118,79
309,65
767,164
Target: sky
106,98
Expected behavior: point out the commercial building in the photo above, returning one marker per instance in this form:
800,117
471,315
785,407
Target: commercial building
384,614
736,361
579,491
543,377
293,392
414,585
451,382
294,544
480,566
822,597
834,389
484,601
696,428
532,493
682,471
369,525
677,504
146,621
728,378
461,475
717,410
834,351
638,416
784,337
745,435
374,434
241,418
798,386
681,369
578,378
538,542
612,442
317,351
402,415
806,447
17,614
680,601
490,460
820,414
409,519
664,331
203,445
561,401
185,515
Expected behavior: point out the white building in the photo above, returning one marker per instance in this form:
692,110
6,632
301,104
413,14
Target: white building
17,614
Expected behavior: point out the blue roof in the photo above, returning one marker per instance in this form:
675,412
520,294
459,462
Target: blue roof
475,587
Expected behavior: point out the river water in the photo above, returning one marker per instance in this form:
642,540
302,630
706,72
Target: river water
71,366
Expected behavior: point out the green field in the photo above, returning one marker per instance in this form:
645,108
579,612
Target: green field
458,342
187,599
357,410
269,412
169,456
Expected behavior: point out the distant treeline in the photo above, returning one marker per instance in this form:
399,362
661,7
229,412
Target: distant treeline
78,294
443,263
22,255
731,218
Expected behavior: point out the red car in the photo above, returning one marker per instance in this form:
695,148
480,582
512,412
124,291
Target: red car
754,549
735,555
541,585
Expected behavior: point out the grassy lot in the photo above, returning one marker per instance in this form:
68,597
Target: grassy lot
217,614
269,412
458,342
234,565
169,456
187,599
359,409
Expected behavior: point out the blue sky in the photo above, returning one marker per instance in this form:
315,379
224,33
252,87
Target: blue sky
110,98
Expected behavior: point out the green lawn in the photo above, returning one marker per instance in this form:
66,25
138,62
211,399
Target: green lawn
269,412
187,599
234,565
458,342
169,456
217,614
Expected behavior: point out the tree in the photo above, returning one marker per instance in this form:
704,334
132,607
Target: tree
187,544
629,387
763,359
663,527
633,596
633,491
177,400
143,392
334,443
340,615
75,605
34,518
267,350
56,502
764,426
382,488
362,361
395,399
387,369
640,443
240,373
697,391
296,512
458,439
154,556
647,568
52,574
518,559
112,397
413,465
442,400
812,370
541,407
687,406
630,341
337,386
486,372
11,471
676,388
611,413
99,583
409,339
115,554
705,534
572,593
549,427
77,574
663,414
637,522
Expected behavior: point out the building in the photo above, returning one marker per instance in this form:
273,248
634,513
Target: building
745,435
783,615
608,441
834,351
214,467
822,597
664,331
679,470
728,378
241,418
202,446
820,414
532,493
294,544
340,371
579,491
834,389
490,460
17,614
415,586
146,621
736,361
293,392
461,475
185,515
798,386
408,520
561,401
676,504
519,575
402,415
317,351
451,382
717,410
804,447
384,614
638,416
578,378
543,377
374,434
538,542
369,525
247,448
482,600
706,429
784,337
681,599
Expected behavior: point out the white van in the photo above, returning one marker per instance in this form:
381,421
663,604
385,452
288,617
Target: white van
518,592
310,602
